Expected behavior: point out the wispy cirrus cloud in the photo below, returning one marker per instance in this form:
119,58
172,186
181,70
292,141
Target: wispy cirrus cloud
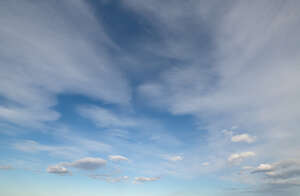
70,150
106,118
223,63
48,49
251,65
145,179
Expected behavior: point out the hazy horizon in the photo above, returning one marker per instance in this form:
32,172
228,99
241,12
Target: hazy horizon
149,98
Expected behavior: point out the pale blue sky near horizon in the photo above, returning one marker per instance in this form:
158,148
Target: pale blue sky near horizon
152,98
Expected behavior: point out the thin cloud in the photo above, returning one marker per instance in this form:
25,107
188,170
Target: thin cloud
224,63
263,168
6,167
77,147
87,163
51,53
145,179
239,157
174,158
105,118
110,178
56,169
242,138
117,158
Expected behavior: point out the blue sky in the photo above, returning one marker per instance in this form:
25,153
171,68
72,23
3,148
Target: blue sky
154,98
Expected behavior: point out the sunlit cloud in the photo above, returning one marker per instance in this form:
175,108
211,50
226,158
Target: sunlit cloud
134,91
117,158
242,138
239,157
58,170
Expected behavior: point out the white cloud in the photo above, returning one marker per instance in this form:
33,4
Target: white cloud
145,179
242,138
253,80
206,164
87,163
105,118
238,157
27,116
31,146
246,83
56,169
109,178
117,158
285,173
42,57
264,167
116,179
174,158
77,147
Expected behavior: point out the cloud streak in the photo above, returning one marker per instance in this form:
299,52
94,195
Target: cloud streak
216,63
239,157
46,51
105,118
58,170
87,163
145,179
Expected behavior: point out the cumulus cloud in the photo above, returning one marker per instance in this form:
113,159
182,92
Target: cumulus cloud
145,179
246,84
242,138
282,175
87,163
117,158
239,157
288,169
263,168
56,169
174,158
240,64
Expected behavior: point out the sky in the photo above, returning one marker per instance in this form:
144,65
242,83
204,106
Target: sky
152,98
